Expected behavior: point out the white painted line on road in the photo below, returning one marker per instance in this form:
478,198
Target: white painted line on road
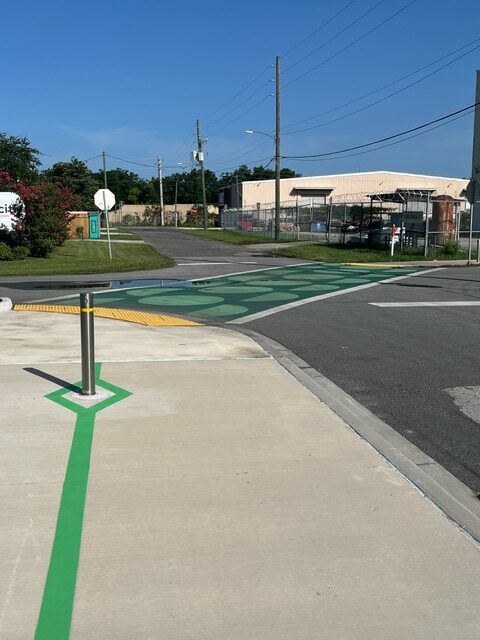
324,296
239,273
198,264
445,303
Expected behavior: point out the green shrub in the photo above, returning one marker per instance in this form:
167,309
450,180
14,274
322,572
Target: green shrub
40,246
20,253
79,232
451,248
5,252
128,219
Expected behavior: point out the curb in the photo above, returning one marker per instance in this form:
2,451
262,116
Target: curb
457,501
5,304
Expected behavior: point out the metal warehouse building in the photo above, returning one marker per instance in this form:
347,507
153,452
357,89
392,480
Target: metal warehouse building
338,188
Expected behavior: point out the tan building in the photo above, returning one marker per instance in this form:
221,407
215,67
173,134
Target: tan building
139,211
340,188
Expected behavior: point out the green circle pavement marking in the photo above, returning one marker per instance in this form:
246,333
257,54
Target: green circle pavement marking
181,301
144,291
281,283
312,276
342,281
221,310
279,296
237,288
318,287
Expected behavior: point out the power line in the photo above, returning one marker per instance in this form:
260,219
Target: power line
268,67
389,84
92,158
241,114
380,100
225,104
240,104
391,137
390,144
139,164
253,162
252,146
322,26
354,42
334,37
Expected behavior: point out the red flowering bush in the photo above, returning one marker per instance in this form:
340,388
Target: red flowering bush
41,215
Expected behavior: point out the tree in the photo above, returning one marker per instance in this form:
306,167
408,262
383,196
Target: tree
127,186
41,215
75,175
18,158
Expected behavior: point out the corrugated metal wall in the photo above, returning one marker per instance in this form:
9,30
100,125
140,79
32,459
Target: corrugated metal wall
350,187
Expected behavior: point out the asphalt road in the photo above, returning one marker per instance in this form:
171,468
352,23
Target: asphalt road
398,362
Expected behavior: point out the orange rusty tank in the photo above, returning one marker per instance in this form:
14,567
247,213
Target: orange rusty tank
443,219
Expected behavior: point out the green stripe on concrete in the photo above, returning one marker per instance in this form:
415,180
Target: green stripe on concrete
56,611
55,616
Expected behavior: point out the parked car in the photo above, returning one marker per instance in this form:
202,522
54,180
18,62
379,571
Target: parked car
383,236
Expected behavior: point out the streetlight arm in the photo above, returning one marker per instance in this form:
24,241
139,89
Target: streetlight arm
262,133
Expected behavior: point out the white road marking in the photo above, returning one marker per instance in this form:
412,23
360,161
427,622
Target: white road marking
324,296
248,272
198,264
445,303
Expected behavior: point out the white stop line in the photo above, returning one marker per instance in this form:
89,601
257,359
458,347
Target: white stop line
453,303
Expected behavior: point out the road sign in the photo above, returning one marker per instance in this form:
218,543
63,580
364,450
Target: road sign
104,202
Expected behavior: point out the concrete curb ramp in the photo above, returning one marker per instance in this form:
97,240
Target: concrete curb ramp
138,317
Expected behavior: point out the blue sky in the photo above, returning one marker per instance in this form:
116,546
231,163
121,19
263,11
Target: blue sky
132,78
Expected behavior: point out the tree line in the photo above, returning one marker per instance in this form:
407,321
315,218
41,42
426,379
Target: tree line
22,162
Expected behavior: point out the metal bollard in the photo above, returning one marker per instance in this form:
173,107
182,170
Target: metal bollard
88,344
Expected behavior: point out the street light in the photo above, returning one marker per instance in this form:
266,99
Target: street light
277,177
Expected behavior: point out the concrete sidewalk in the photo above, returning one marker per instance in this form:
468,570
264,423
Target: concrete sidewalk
223,501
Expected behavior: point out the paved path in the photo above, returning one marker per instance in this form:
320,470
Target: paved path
205,498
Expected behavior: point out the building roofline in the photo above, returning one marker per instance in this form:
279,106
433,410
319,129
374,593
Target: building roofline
358,173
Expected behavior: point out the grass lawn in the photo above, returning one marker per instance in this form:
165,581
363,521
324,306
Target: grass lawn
232,237
117,233
88,257
339,253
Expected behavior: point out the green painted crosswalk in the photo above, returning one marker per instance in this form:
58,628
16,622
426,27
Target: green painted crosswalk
237,296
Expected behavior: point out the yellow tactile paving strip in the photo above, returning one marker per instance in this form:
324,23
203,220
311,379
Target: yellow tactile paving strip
379,265
128,315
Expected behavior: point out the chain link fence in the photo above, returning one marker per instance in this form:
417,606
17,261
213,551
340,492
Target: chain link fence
359,224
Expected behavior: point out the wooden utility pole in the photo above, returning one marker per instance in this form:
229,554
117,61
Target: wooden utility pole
160,189
201,160
476,159
277,148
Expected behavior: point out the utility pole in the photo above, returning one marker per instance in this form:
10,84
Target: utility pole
277,148
201,160
160,189
476,159
176,202
105,186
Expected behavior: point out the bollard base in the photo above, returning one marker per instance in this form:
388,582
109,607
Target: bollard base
80,398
